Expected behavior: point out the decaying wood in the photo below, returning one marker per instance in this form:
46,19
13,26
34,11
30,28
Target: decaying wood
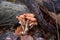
53,15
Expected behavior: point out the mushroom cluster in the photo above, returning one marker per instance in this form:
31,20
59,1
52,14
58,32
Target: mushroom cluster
27,21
